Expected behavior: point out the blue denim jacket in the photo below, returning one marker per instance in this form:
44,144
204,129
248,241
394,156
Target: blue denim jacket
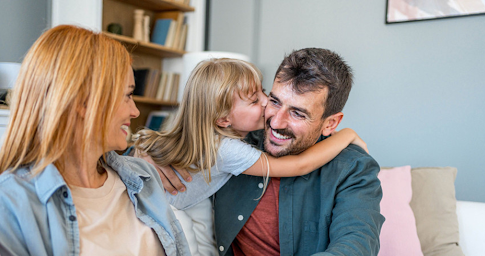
333,210
38,217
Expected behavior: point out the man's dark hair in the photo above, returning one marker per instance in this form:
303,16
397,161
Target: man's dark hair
313,69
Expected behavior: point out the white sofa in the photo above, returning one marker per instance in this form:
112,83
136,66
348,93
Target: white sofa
471,222
423,216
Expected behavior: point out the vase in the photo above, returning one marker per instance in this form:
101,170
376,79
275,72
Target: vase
138,27
146,28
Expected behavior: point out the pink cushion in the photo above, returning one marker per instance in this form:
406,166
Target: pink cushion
398,235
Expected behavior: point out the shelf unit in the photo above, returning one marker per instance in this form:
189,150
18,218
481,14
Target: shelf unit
145,54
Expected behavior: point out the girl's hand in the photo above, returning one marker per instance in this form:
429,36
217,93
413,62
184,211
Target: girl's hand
357,140
170,180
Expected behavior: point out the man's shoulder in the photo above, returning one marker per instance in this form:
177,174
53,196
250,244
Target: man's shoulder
353,159
255,138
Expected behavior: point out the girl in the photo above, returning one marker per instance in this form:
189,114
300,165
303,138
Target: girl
223,101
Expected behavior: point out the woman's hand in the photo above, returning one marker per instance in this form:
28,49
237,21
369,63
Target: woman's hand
170,180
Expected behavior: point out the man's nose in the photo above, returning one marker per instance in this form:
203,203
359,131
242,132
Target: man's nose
279,120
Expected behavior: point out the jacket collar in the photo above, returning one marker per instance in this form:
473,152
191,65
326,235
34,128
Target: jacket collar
50,180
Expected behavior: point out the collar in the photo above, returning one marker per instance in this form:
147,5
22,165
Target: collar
126,170
48,182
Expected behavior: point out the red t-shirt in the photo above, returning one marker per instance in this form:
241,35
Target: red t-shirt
260,234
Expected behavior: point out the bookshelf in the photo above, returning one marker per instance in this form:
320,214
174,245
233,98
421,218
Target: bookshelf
145,54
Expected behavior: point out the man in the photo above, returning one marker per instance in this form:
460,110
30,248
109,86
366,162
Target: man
331,211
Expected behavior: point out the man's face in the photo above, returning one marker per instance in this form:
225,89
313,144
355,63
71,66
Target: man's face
293,122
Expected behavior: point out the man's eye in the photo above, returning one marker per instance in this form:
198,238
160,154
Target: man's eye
298,115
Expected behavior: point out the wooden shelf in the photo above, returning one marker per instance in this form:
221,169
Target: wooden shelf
139,99
146,47
159,5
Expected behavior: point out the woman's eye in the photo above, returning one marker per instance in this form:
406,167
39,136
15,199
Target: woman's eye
255,101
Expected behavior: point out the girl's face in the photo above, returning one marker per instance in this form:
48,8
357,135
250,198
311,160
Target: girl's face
122,116
248,114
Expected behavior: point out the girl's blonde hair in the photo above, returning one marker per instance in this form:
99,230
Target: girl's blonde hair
193,139
70,76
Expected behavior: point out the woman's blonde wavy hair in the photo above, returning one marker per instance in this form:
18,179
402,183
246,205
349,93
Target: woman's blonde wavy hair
192,140
67,70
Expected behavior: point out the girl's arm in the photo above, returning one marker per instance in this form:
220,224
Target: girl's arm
317,155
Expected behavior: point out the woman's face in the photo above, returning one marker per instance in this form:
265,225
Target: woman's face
248,114
123,115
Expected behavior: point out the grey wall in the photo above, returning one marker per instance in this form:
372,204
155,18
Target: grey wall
22,22
233,25
419,91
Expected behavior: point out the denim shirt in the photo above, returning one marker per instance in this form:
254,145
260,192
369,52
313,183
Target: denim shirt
333,210
38,217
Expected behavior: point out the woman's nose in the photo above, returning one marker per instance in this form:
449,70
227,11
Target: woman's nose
134,111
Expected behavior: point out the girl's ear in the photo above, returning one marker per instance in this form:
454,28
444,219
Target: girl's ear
223,122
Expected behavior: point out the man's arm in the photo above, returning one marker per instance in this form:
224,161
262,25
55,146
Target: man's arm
356,219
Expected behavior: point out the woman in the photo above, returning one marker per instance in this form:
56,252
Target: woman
63,191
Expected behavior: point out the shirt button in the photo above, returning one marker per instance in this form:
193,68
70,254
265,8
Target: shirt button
64,194
72,218
221,248
260,185
240,217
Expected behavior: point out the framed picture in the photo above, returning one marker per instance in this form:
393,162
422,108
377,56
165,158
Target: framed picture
398,11
156,119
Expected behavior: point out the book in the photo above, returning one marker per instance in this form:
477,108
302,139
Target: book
160,31
161,86
183,38
171,34
175,87
178,17
152,85
141,78
168,87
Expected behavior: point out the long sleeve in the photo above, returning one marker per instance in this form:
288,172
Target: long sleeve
356,219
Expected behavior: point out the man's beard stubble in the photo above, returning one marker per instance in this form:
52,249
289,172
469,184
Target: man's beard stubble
295,147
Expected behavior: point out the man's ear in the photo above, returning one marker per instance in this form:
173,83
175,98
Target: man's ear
223,122
331,123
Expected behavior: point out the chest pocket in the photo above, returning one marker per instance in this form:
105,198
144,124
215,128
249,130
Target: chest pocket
315,235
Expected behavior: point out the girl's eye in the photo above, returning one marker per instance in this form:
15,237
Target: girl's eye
130,95
255,101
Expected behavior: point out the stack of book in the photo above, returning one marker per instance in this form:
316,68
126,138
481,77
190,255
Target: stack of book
170,29
152,83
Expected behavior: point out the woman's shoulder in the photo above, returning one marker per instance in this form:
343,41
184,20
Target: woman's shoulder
16,180
130,164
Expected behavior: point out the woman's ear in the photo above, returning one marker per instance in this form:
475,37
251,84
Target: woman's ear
331,123
223,122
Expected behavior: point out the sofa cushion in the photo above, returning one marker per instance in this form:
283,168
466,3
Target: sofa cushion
434,206
398,233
